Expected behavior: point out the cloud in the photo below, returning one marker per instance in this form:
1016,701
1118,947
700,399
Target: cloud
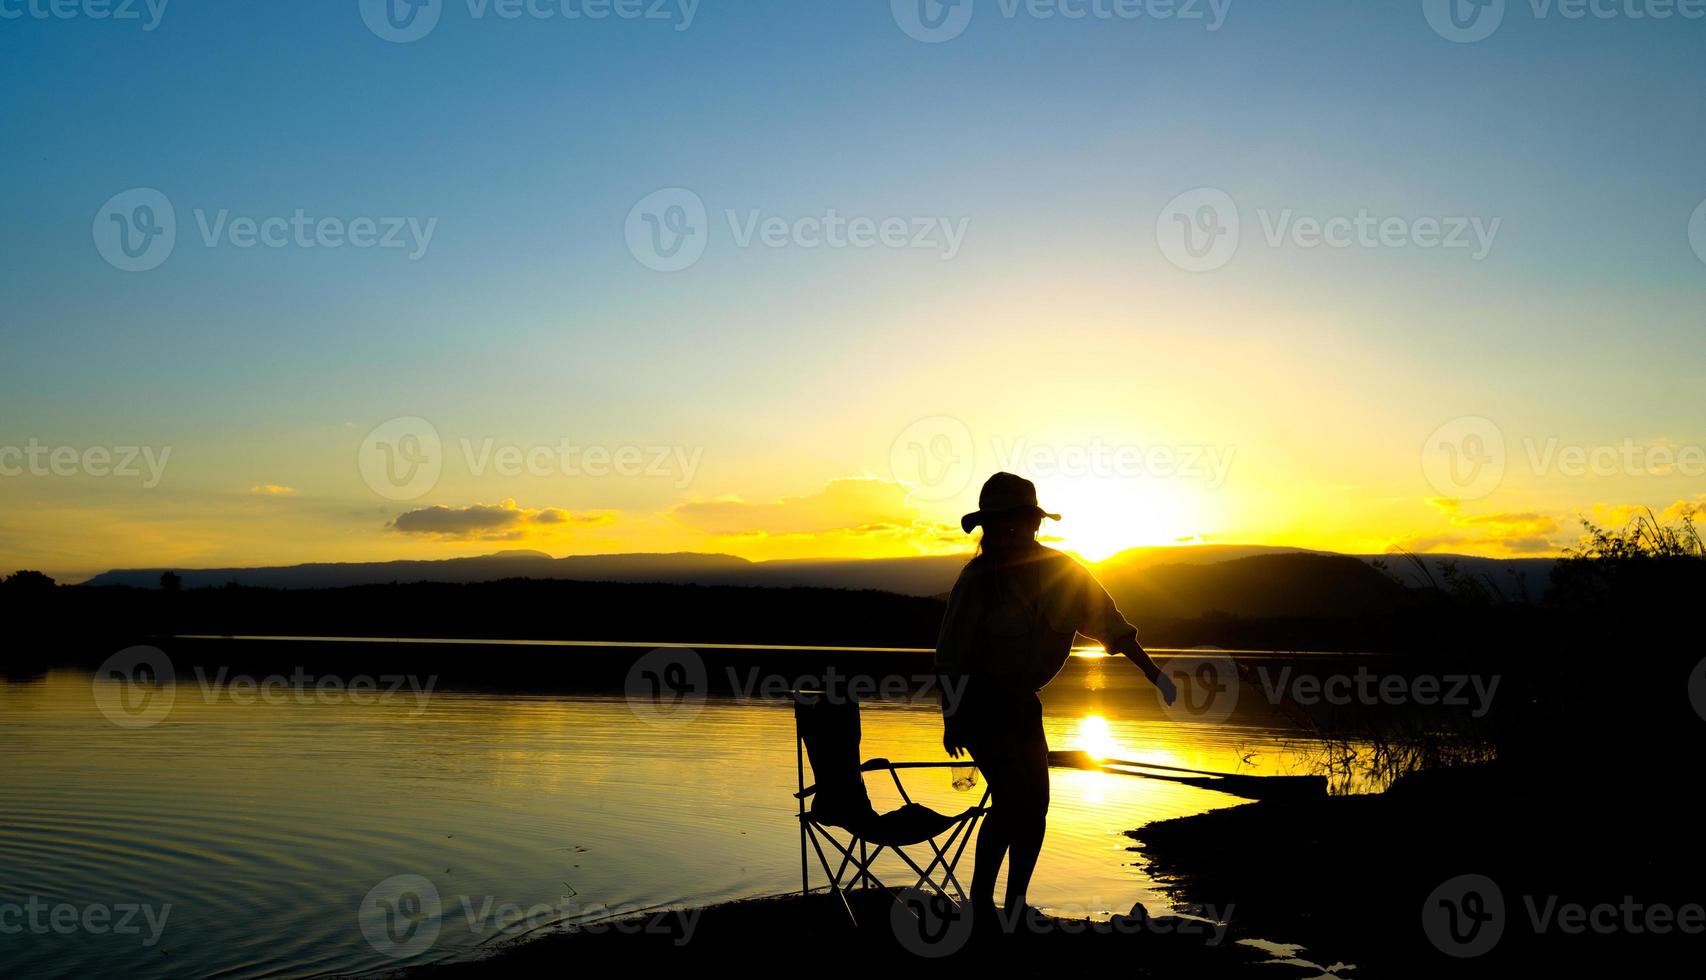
1616,516
1511,533
499,522
272,490
1450,505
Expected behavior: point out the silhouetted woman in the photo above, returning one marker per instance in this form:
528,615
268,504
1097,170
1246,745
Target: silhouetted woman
1008,630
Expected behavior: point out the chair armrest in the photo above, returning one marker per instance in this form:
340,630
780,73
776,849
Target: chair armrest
875,765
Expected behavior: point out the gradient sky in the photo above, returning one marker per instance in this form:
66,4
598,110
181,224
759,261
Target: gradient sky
796,378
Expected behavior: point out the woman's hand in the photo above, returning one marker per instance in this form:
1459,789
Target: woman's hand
953,738
1164,684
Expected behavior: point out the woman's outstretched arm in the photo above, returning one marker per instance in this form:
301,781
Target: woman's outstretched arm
1128,647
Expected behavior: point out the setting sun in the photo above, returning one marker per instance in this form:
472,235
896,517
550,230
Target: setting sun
1101,518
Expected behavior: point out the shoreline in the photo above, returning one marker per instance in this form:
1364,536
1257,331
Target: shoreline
815,935
1375,879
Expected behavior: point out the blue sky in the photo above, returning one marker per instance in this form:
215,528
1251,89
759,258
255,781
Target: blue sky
1057,141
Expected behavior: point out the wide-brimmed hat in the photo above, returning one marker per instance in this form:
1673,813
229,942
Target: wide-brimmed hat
1004,495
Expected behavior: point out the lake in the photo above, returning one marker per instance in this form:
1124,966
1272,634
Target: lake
241,834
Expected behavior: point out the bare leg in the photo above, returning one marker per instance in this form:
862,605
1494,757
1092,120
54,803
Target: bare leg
1025,823
991,851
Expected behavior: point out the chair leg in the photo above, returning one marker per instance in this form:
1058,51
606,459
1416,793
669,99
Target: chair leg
834,879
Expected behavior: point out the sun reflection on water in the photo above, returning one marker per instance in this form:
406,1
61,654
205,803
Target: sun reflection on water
1094,737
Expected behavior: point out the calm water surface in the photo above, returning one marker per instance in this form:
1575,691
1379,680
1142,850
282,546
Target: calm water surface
252,833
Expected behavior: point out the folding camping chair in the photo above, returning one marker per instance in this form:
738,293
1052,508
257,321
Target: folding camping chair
827,731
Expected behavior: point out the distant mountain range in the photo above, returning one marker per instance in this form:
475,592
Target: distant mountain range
1168,582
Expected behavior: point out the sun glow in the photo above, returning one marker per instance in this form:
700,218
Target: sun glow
1101,518
1094,738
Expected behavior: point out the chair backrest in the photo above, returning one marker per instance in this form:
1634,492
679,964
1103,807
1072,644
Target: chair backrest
829,727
